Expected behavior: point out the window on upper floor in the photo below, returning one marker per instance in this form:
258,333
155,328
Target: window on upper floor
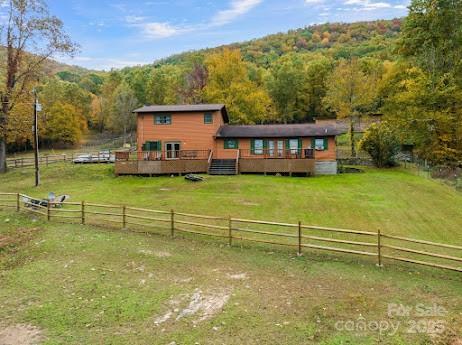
208,118
163,119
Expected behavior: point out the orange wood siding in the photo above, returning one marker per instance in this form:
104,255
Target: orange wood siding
187,128
245,146
329,154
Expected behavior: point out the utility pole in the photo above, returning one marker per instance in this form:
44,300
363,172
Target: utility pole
35,130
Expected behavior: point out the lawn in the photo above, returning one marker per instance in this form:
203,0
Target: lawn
396,201
81,285
84,285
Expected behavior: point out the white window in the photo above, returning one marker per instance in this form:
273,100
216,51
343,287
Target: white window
258,146
293,146
319,144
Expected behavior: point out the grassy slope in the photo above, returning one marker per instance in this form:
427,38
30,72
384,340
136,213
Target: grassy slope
395,201
90,286
57,281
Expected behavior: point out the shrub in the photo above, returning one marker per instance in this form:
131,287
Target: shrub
382,143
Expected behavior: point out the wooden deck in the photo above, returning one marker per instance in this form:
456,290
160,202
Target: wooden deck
152,164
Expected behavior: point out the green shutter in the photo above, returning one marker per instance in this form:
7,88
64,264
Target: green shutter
287,149
252,146
236,143
144,147
300,143
159,145
313,143
326,143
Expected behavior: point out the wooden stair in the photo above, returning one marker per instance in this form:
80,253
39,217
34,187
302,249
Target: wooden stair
223,167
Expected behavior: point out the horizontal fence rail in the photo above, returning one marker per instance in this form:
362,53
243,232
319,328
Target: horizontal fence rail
47,159
345,241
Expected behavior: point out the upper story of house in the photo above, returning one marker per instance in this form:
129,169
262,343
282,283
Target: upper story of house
193,127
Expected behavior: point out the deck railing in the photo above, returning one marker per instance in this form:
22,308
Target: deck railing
163,155
277,153
373,244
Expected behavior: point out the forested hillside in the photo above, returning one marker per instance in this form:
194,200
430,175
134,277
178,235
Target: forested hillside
408,70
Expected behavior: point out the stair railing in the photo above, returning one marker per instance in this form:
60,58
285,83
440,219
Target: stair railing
209,161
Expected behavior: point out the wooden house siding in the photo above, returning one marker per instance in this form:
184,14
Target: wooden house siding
245,147
188,129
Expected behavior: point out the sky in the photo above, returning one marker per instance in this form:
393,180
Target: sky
119,33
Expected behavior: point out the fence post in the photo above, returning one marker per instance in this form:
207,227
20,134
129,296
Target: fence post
18,205
172,223
83,212
48,210
124,217
230,231
46,160
299,239
379,249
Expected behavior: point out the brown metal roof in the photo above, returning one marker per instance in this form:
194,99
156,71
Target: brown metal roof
184,109
279,131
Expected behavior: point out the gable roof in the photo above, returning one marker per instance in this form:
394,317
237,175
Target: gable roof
186,108
279,131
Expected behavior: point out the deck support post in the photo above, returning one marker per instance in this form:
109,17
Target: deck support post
18,205
48,210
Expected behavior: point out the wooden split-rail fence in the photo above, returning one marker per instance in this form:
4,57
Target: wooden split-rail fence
376,244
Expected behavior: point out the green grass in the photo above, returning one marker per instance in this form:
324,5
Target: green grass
396,201
86,285
83,285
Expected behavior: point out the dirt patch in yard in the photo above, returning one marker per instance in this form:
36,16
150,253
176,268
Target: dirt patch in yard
10,241
20,335
202,306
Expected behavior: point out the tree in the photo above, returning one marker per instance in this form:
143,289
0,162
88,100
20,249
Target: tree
229,83
195,83
64,123
349,94
125,102
106,100
432,36
31,36
426,112
382,143
165,84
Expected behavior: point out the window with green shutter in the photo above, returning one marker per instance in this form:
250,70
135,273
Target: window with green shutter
208,118
257,146
152,146
231,144
320,144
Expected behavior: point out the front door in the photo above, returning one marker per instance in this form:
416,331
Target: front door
172,150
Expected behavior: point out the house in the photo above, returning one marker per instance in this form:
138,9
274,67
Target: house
180,139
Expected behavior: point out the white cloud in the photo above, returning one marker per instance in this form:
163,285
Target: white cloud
100,63
160,30
237,9
134,19
400,6
367,5
313,2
